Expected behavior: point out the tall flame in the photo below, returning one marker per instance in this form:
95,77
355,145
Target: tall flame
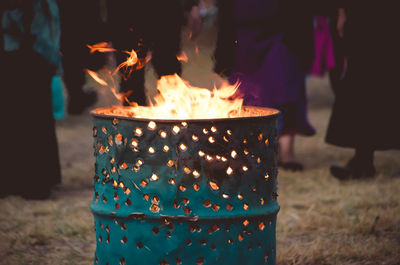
176,98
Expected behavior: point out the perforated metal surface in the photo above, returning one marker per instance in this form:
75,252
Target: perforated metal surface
194,192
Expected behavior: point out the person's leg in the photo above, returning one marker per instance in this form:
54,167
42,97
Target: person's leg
361,165
286,154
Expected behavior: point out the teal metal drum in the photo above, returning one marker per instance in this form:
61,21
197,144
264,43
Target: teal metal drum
195,192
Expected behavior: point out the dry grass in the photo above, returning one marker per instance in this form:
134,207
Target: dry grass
322,221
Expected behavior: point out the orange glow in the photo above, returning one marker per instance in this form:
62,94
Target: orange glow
182,57
176,99
179,100
100,47
133,62
96,77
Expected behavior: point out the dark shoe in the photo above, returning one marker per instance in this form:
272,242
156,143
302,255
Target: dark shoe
78,103
291,166
353,170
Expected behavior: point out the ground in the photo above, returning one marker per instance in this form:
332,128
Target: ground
321,221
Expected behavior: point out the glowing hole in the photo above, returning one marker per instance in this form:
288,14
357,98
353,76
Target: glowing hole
143,183
196,174
260,137
127,191
218,157
104,130
151,150
138,132
171,181
224,159
195,138
124,240
240,237
213,185
233,154
187,170
266,142
123,166
154,177
113,170
118,139
229,132
183,147
261,226
176,129
184,124
266,176
146,197
225,196
201,153
240,196
229,207
245,168
245,222
187,210
115,184
213,129
155,199
170,163
245,206
116,197
154,208
205,131
196,187
200,261
207,203
229,171
262,201
163,134
152,125
225,139
245,151
245,141
209,158
185,201
182,188
165,148
230,241
258,160
215,207
211,139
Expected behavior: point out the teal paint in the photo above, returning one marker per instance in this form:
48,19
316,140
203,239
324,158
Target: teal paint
191,211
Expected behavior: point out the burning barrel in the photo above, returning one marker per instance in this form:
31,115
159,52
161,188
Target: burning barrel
196,191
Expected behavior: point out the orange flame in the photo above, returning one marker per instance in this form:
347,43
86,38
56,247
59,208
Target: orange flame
177,99
182,57
100,47
96,77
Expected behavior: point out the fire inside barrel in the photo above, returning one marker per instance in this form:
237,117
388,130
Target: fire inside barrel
191,179
185,192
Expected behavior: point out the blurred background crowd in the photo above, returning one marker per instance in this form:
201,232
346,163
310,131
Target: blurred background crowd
269,46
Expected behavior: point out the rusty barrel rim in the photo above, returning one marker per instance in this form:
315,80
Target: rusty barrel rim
273,114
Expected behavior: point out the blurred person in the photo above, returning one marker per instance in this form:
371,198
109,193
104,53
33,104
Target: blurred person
365,112
267,45
29,59
149,26
81,24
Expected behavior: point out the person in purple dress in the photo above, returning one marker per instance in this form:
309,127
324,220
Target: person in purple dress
268,46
